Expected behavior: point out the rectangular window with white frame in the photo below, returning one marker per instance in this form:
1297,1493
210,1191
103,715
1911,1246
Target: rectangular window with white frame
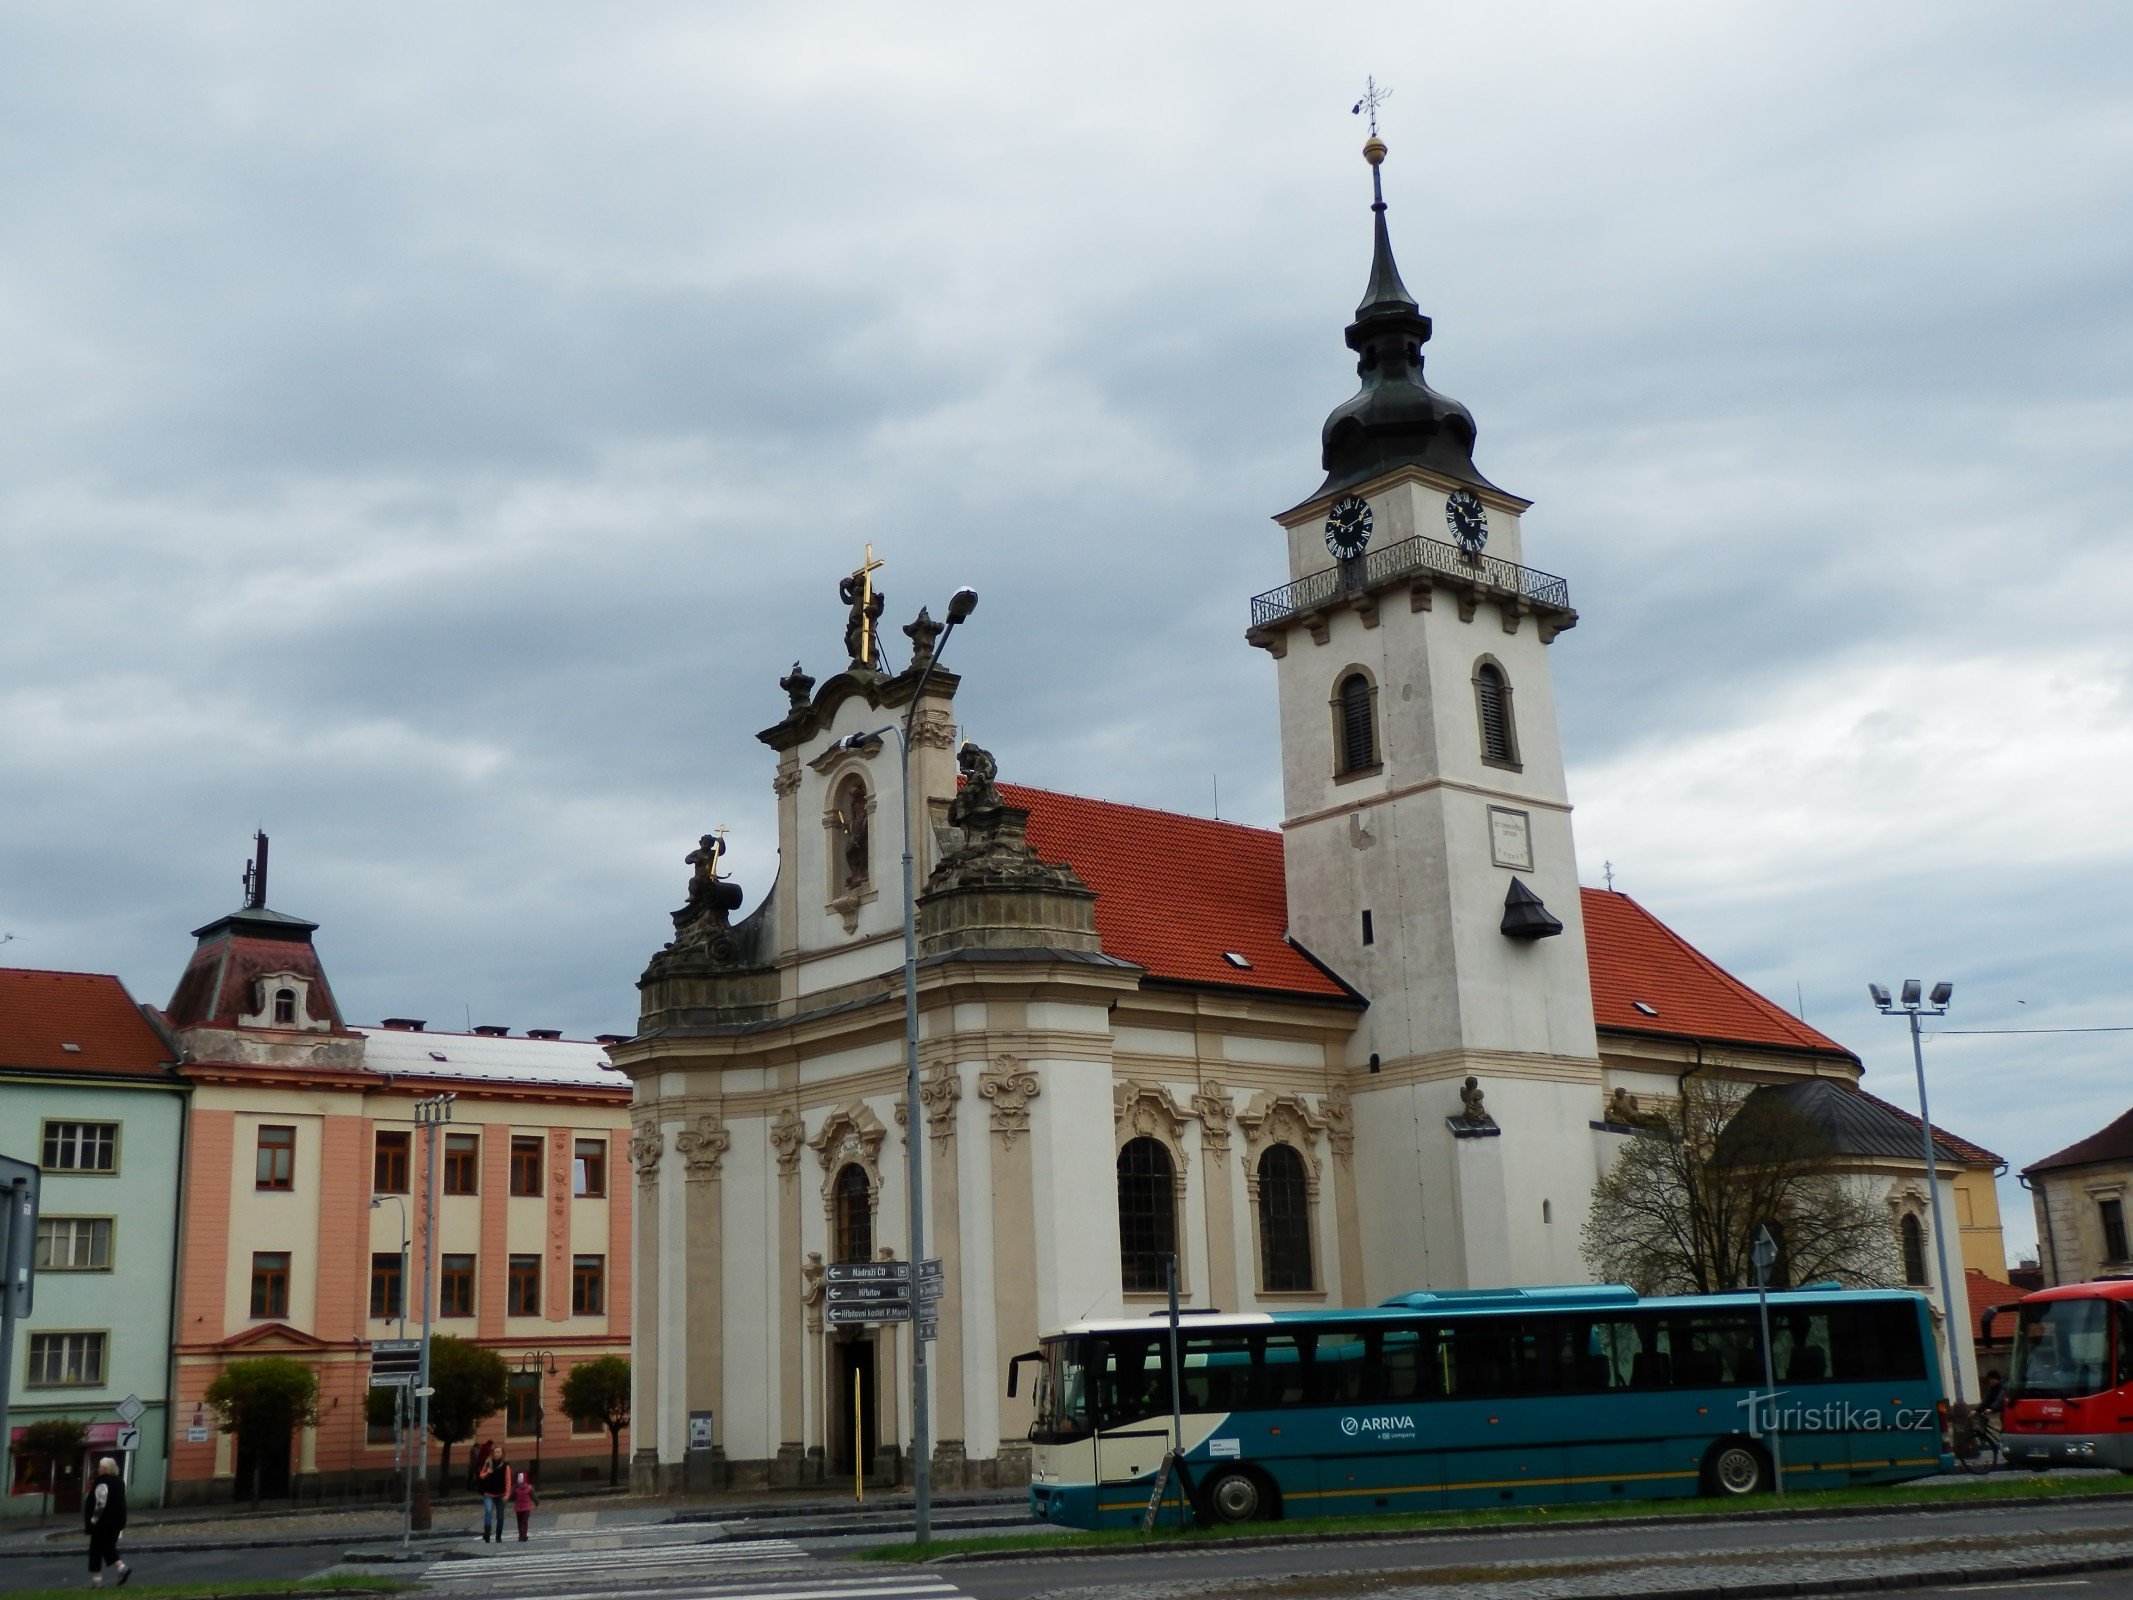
80,1147
66,1360
74,1244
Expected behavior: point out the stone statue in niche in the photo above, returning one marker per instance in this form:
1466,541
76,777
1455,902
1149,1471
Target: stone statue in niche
851,815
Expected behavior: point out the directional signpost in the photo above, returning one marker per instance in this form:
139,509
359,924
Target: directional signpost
867,1292
395,1363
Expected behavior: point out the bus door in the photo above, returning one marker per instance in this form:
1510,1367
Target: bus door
1378,1391
1622,1438
1498,1449
1132,1411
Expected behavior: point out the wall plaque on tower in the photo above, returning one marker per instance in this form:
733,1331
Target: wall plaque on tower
1510,838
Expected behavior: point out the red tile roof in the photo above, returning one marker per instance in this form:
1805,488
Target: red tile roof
1634,956
1175,892
1961,1146
2112,1142
41,1013
1985,1292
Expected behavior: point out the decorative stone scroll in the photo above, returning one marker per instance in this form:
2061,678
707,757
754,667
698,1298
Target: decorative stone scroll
1147,1111
1280,1119
934,730
645,1149
938,1092
1337,1111
1010,1085
787,1134
1211,1105
703,1145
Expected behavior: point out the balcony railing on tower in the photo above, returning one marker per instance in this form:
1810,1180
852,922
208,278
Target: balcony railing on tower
1489,575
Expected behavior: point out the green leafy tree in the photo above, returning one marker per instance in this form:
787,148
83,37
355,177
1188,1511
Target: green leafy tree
599,1391
470,1384
52,1443
1679,1210
263,1402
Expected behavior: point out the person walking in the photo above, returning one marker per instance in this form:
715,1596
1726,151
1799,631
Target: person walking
495,1484
523,1500
103,1512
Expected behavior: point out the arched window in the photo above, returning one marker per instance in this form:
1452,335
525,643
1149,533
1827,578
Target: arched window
1147,1214
1284,1220
1913,1235
284,1005
1355,723
853,1209
1492,700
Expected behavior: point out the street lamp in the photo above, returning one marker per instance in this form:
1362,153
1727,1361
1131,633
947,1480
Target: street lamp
429,1114
1910,1006
531,1362
960,605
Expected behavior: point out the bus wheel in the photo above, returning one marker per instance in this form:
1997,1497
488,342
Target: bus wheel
1735,1468
1233,1495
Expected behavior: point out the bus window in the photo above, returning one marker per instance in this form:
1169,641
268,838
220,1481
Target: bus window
1400,1368
1218,1370
1478,1358
2125,1342
1339,1369
1720,1348
1875,1341
1279,1379
1799,1347
2060,1348
1612,1353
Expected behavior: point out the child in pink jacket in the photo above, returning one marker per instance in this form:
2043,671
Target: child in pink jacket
523,1500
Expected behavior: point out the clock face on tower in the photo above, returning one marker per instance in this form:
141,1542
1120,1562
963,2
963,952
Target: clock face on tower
1348,527
1468,520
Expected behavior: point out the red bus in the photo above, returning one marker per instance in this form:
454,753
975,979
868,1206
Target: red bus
2069,1395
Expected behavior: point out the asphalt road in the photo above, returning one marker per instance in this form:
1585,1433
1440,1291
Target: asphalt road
68,1567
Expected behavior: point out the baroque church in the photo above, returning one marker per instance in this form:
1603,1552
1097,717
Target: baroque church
1388,1047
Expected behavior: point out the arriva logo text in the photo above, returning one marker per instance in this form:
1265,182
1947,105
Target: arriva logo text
1378,1427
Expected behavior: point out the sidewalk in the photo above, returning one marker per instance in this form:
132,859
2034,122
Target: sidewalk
458,1518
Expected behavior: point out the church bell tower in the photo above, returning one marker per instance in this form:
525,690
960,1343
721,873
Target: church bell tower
1426,827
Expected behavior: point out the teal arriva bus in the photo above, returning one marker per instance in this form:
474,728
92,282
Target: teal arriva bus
1485,1398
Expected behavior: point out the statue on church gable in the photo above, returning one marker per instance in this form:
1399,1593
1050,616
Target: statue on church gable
924,634
704,926
978,799
850,817
862,632
1624,1112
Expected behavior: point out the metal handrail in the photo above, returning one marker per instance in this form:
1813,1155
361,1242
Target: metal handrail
1318,589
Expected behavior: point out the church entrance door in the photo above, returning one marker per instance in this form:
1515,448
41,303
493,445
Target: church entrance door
855,1408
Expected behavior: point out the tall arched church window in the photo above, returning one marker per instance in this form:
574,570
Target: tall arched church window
284,1005
1913,1235
1355,735
852,866
1147,1214
1284,1220
1492,703
853,1208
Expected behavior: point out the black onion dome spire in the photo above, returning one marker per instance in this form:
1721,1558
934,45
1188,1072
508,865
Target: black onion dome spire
1395,419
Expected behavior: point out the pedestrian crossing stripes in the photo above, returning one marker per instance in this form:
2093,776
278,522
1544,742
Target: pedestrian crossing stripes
597,1553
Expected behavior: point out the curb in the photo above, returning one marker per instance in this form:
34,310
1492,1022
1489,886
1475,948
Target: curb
1950,1576
1499,1529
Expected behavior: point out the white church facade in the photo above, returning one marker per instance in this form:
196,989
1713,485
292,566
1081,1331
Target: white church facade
1390,1046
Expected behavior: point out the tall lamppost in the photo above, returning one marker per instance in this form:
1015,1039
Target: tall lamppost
429,1115
960,605
1910,1006
540,1363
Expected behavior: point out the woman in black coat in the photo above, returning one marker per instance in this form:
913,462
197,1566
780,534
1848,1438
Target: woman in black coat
103,1511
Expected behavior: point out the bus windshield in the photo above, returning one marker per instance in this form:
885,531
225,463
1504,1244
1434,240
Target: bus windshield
2062,1349
1062,1397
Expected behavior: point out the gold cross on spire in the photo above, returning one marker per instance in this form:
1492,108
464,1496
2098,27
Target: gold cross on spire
858,590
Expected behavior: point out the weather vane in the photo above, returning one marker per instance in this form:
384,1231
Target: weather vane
1373,97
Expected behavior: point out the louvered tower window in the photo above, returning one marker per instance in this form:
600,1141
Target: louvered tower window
1284,1220
1492,696
1147,1214
1358,735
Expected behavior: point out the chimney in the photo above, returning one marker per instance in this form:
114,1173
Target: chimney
544,1033
491,1030
405,1024
611,1038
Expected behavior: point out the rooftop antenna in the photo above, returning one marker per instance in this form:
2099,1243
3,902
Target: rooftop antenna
255,875
1373,97
1216,779
1608,868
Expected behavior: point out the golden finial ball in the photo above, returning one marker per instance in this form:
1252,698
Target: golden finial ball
1374,152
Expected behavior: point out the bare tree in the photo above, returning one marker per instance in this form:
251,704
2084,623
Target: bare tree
1679,1210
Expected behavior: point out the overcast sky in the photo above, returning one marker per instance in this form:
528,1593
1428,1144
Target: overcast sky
432,431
